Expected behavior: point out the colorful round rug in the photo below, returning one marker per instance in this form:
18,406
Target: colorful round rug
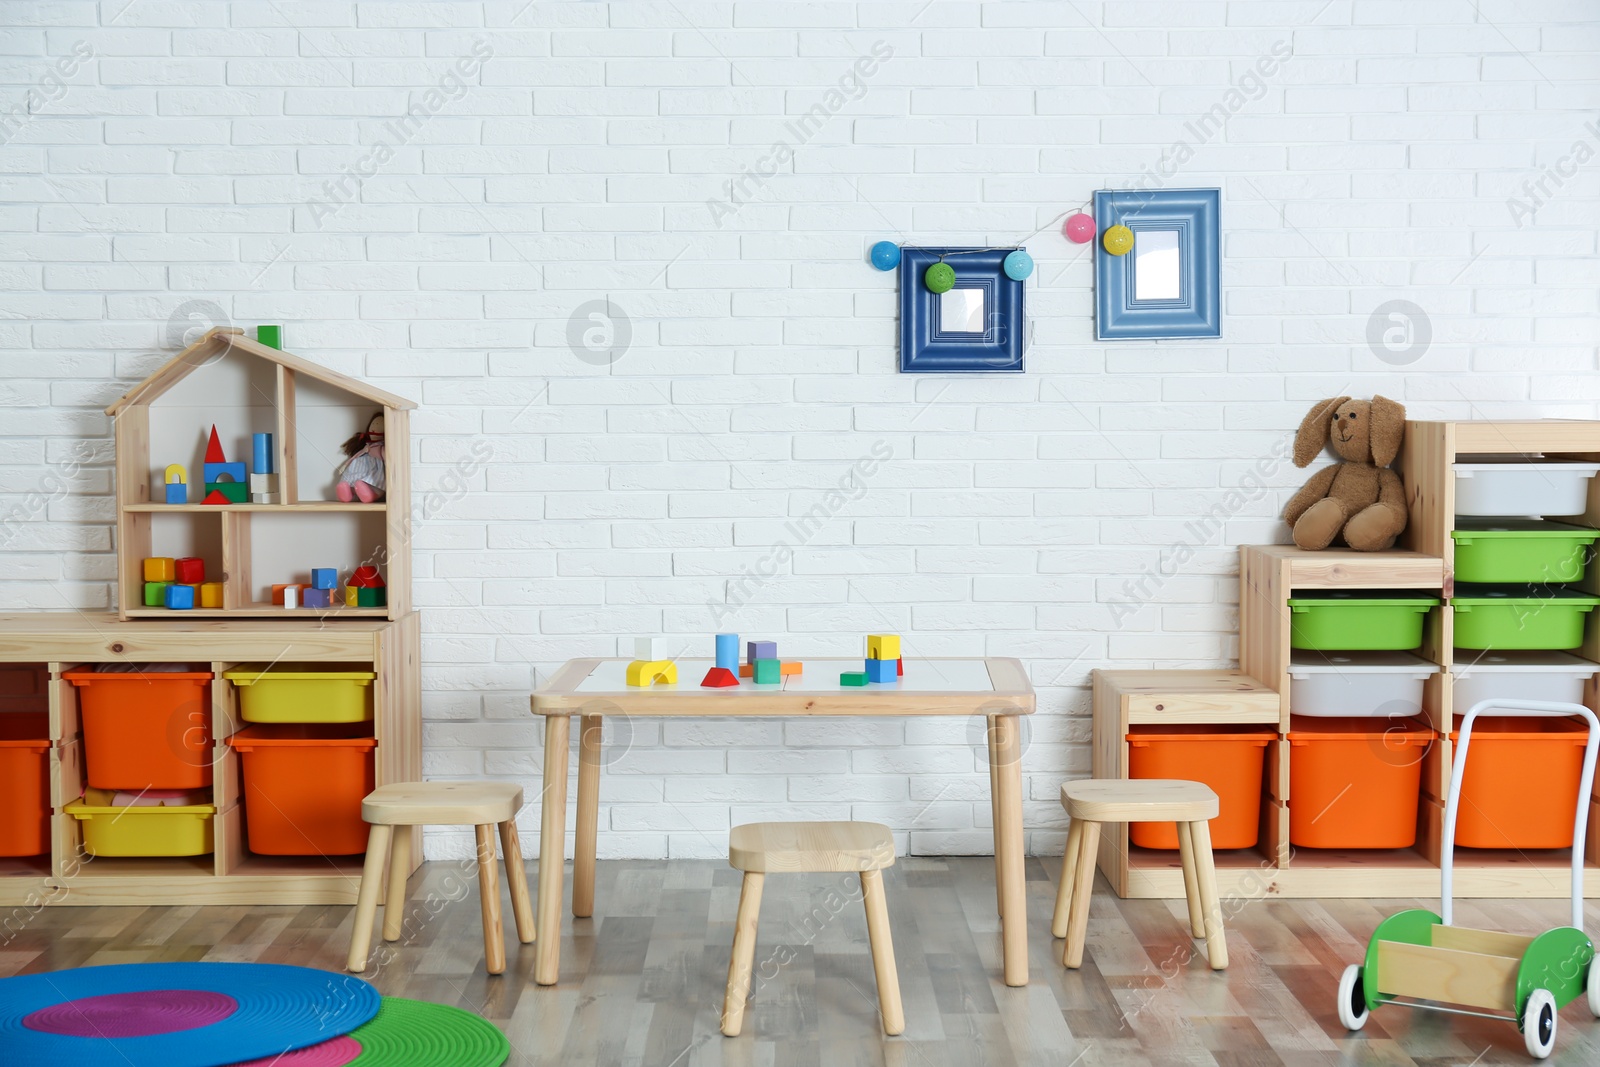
414,1033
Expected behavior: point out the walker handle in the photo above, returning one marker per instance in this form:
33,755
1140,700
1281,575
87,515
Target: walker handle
1580,822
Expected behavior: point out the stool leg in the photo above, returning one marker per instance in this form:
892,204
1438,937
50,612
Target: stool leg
1191,881
394,904
517,876
894,1016
1083,888
1069,871
1205,865
494,940
744,953
367,897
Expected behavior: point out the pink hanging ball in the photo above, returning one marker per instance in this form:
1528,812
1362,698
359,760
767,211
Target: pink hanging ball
1079,229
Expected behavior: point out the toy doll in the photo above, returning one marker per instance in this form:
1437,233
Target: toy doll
360,476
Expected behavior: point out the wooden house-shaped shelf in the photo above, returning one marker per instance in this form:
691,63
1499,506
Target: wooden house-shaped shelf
244,388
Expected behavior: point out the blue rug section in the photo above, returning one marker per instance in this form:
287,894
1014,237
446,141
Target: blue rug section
280,1009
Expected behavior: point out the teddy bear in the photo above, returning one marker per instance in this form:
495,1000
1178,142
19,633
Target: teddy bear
1359,498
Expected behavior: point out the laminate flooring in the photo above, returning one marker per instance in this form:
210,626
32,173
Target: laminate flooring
641,982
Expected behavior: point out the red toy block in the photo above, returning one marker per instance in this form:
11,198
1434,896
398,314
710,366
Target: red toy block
718,678
900,667
191,570
214,448
216,497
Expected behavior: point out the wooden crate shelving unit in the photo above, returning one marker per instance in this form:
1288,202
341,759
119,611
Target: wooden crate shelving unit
1268,576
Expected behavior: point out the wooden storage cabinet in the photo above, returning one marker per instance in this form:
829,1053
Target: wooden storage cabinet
231,875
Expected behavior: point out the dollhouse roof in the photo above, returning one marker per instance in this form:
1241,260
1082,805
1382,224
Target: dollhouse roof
221,338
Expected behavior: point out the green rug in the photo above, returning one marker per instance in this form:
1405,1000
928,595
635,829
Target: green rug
413,1033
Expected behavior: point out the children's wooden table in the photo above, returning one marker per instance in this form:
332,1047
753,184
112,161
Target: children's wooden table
593,688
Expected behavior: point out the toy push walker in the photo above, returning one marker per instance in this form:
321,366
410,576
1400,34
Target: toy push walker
1433,964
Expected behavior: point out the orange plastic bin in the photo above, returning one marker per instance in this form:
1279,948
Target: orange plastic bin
1521,782
145,729
303,786
25,783
1355,783
1230,762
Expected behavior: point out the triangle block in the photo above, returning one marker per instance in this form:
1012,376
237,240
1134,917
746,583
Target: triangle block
718,678
214,448
216,497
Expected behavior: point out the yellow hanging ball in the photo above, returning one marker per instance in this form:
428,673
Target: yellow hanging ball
1118,240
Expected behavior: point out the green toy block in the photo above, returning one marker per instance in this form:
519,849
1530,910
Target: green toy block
372,598
766,672
236,492
155,594
853,678
271,336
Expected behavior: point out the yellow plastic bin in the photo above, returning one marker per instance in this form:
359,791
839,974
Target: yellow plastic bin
299,692
175,830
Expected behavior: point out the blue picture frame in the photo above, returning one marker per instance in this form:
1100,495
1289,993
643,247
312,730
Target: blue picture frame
1197,310
928,346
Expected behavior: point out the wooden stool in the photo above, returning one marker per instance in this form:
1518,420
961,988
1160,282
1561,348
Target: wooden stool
817,847
483,805
1106,800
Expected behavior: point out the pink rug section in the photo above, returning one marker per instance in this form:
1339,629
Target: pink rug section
335,1053
144,1014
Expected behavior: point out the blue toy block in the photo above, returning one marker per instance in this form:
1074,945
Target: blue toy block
177,493
180,597
728,652
761,650
261,452
235,472
324,578
881,670
315,597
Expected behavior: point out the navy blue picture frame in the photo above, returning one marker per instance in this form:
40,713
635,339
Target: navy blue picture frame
926,347
1197,312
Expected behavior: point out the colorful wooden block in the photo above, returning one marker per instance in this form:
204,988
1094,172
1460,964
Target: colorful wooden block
352,597
900,667
369,597
728,651
261,462
883,646
648,672
211,594
718,678
278,591
214,496
792,667
155,594
649,649
270,336
234,472
761,650
853,678
176,489
232,492
312,597
180,597
747,670
881,670
324,578
766,672
266,498
190,570
263,484
176,493
291,596
160,569
366,576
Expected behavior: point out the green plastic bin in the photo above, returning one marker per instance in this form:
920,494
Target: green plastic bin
1338,621
1520,550
1520,616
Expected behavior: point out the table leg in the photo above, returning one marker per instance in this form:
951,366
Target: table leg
994,806
583,851
1005,753
552,842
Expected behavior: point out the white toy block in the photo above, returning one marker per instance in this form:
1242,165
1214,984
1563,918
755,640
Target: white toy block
263,483
649,649
266,498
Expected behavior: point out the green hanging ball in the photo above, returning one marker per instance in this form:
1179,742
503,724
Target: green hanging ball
940,278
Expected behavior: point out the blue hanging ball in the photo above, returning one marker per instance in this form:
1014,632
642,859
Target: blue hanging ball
886,255
1018,265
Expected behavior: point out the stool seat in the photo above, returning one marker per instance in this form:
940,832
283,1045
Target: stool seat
1139,800
815,847
442,804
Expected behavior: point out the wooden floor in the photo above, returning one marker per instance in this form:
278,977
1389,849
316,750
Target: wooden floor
641,982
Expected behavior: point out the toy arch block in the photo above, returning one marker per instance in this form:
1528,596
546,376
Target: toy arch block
645,673
176,487
883,646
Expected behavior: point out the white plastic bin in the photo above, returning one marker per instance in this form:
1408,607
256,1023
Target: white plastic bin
1514,675
1357,684
1522,487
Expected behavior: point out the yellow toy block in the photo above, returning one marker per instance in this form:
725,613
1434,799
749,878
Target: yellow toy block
160,569
646,672
883,646
211,594
352,598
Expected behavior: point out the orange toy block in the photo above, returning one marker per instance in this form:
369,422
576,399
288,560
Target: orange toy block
786,669
211,594
747,670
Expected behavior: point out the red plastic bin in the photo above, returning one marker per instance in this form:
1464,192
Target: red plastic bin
145,729
1520,788
25,783
303,787
1230,762
1355,783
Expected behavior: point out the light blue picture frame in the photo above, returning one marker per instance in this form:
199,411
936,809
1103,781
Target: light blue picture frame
929,346
1196,310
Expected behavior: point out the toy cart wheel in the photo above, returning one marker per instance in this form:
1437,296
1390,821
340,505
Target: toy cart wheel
1539,1023
1593,987
1353,998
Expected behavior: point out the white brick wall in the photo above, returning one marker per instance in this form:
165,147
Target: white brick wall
185,158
